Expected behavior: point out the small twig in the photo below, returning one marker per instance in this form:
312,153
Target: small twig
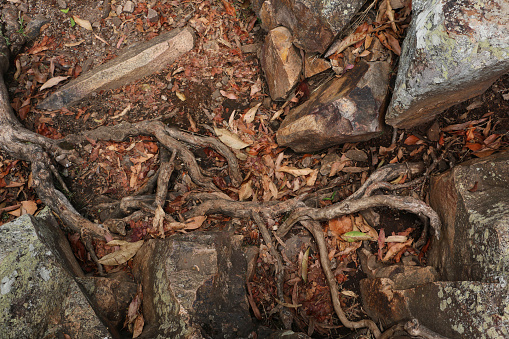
314,228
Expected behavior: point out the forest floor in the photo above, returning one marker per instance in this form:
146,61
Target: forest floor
216,84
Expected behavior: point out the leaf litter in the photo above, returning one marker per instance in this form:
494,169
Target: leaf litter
187,90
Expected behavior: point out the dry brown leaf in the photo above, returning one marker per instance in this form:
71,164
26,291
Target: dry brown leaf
126,252
395,249
394,44
82,22
363,226
250,115
310,181
340,226
340,46
295,171
245,191
52,82
194,222
396,238
230,139
74,44
138,326
30,206
228,95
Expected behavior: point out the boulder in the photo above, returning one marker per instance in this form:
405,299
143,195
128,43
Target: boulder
314,23
472,200
453,51
281,63
454,309
194,286
137,62
472,259
347,109
39,297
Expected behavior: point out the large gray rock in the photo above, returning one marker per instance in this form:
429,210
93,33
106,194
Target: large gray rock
347,109
38,296
194,286
281,63
472,257
453,51
454,309
139,61
472,201
314,23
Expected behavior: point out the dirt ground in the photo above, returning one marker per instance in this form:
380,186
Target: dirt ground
213,85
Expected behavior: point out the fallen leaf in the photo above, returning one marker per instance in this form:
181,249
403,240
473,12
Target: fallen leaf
82,22
458,127
228,95
310,181
356,236
411,140
304,265
126,252
349,293
138,326
229,8
52,82
250,115
194,222
393,250
30,206
340,45
245,191
180,95
396,238
340,226
295,171
230,139
74,44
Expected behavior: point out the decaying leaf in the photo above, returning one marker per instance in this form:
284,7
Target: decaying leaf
228,95
230,139
180,95
194,222
126,252
30,206
394,249
138,326
250,115
245,191
295,171
396,238
52,82
341,225
82,22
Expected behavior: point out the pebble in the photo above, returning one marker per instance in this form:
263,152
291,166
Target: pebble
152,15
129,7
61,4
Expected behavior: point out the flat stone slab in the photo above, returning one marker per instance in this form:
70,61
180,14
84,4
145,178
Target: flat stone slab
347,109
453,51
143,59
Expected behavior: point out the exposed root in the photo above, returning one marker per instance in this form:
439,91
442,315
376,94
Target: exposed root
165,171
314,228
286,316
172,139
408,204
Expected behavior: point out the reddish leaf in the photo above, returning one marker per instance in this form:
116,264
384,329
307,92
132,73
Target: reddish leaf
229,9
474,146
411,140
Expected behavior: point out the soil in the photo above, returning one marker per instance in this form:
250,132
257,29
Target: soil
205,87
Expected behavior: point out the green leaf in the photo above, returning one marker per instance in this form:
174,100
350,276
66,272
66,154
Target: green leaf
73,23
65,10
356,236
